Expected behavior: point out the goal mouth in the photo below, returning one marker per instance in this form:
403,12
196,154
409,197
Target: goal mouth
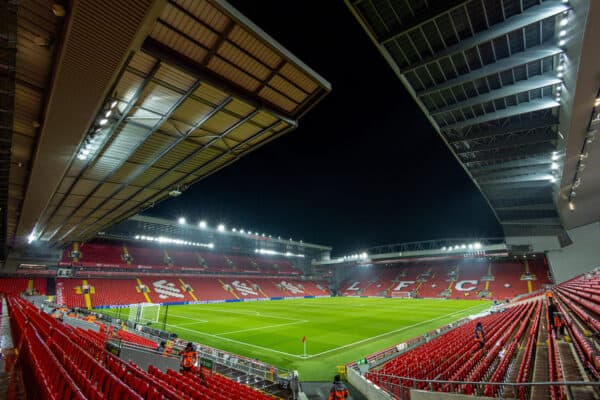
144,313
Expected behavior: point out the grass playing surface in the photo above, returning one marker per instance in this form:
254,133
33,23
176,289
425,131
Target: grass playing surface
338,330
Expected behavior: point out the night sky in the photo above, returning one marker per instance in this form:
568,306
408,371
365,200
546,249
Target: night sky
364,167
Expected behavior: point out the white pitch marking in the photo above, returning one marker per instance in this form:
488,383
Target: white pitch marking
219,310
263,327
238,342
387,333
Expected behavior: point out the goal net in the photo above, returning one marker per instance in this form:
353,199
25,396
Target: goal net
144,312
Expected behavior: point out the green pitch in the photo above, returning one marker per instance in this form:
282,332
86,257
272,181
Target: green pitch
338,330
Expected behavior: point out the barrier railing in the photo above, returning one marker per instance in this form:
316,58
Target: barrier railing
397,387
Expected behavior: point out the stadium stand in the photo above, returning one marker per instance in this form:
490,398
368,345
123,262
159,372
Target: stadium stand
68,363
20,285
521,346
169,288
467,280
111,254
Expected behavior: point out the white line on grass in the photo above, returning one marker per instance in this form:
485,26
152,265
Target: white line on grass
200,321
255,313
238,342
387,333
263,327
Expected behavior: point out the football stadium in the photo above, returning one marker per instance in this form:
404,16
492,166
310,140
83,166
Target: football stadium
124,275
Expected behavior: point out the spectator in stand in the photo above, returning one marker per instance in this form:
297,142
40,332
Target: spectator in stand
161,347
479,335
338,391
559,325
189,357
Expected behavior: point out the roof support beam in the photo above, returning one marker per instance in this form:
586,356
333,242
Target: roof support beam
195,170
437,9
523,108
513,141
521,58
517,179
532,169
529,207
512,154
530,16
526,85
508,128
168,55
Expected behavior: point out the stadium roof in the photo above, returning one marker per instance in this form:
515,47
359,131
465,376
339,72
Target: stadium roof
117,104
498,80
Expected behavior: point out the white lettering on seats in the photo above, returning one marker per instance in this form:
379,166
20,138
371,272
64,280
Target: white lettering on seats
403,284
167,289
354,286
460,285
291,287
243,288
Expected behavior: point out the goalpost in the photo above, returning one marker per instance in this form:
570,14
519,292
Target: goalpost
143,313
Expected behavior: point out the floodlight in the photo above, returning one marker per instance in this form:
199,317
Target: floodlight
562,42
463,246
31,238
102,122
554,165
202,224
571,206
562,33
114,104
108,113
221,228
233,230
564,22
477,245
444,248
560,74
181,220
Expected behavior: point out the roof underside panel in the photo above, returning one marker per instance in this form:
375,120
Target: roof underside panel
488,75
205,88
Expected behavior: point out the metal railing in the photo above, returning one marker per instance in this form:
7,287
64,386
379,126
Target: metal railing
401,387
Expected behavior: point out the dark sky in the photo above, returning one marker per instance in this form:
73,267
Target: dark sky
364,167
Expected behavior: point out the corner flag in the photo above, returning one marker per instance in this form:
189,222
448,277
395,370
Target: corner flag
304,343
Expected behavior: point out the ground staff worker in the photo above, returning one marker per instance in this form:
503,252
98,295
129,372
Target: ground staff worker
189,357
338,390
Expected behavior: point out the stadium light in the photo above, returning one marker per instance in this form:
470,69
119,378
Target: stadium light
562,42
31,238
221,228
555,156
114,104
463,246
242,231
477,245
444,248
202,224
181,221
562,33
103,122
233,230
571,206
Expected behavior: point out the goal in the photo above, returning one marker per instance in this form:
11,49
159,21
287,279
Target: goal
144,313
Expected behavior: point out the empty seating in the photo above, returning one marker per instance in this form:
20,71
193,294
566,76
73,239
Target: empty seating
61,362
